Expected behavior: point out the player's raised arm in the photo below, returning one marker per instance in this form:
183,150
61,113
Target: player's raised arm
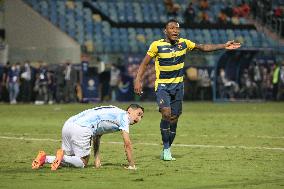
140,73
96,146
230,45
128,150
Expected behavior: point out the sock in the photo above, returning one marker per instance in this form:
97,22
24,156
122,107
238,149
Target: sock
173,128
74,161
49,159
165,132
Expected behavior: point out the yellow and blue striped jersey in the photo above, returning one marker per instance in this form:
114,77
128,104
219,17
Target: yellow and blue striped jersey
169,60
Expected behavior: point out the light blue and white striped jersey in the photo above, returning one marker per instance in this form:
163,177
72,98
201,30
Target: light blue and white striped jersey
102,120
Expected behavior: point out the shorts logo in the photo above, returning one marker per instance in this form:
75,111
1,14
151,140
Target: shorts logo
161,101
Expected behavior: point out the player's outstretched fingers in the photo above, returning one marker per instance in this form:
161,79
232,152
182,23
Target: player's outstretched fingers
131,167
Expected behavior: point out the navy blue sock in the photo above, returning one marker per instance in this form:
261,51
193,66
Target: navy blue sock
173,128
165,132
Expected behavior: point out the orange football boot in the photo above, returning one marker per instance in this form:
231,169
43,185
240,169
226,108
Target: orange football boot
58,159
39,160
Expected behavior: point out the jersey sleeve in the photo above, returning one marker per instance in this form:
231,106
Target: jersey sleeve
153,49
124,124
190,45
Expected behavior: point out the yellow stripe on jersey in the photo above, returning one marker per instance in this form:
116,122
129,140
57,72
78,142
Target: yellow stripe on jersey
171,68
172,54
172,80
169,59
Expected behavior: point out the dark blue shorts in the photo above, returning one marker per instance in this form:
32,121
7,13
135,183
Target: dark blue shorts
170,98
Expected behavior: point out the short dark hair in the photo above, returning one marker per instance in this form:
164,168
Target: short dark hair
170,21
135,106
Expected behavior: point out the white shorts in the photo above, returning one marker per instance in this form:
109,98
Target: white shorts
76,140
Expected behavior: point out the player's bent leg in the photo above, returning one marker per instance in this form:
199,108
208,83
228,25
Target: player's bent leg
56,163
39,160
74,161
85,160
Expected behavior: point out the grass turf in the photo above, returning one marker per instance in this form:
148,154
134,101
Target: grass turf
234,145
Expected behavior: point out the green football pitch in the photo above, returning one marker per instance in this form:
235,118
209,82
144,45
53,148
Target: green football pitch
223,145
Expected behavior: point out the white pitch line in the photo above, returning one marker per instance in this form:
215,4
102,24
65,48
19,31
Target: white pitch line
155,144
32,139
219,136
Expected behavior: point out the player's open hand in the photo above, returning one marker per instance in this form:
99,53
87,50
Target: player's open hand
230,45
131,167
97,164
138,87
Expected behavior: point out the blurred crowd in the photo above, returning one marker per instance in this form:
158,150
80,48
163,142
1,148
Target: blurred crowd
269,14
38,83
48,84
203,12
257,82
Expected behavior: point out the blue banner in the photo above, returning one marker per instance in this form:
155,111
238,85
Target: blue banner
90,84
125,89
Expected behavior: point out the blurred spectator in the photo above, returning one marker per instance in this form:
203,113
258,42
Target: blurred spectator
51,86
203,5
59,83
171,7
257,79
278,12
275,80
70,79
222,18
204,84
226,87
114,81
280,95
4,90
104,79
149,84
189,14
266,83
242,10
26,83
248,87
13,82
204,18
228,10
41,84
191,83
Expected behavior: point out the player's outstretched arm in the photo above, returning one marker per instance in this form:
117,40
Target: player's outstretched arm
96,146
128,150
140,73
230,45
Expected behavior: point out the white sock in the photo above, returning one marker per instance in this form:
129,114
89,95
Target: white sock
73,160
49,159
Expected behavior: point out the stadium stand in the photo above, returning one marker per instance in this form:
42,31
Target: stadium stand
99,26
120,31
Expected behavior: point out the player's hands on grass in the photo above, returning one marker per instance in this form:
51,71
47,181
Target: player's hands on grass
230,45
138,87
131,167
97,164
